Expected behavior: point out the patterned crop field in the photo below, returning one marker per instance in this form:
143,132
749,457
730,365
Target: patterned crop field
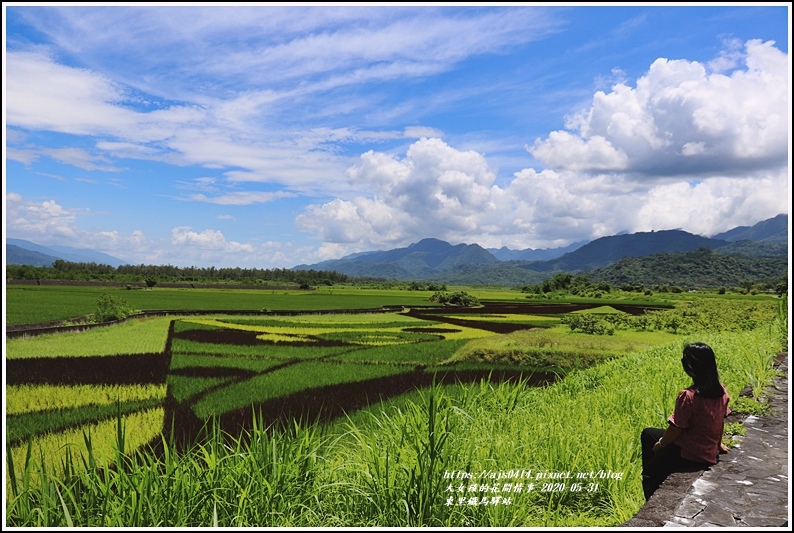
275,369
239,370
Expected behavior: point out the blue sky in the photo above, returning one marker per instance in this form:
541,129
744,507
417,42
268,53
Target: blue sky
270,136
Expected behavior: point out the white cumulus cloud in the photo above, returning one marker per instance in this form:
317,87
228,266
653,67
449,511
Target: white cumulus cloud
26,218
207,239
683,118
433,189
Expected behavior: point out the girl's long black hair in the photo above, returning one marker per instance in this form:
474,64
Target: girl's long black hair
701,365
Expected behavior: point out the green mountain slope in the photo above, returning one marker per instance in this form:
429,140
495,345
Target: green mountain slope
601,252
773,230
702,268
20,256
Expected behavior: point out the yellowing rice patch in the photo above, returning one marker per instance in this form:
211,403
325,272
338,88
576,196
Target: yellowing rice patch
604,309
21,399
293,334
145,335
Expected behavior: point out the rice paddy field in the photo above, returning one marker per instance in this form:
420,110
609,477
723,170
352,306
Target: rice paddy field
42,303
494,416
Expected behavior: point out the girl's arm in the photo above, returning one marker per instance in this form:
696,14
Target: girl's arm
671,434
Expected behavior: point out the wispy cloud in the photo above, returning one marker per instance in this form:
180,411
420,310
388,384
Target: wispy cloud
80,159
242,198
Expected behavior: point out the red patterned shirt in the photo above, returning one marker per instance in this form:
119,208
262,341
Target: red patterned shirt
702,420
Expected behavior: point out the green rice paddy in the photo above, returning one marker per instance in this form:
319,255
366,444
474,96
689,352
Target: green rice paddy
147,335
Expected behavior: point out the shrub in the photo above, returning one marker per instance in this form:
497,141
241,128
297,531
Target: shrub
588,323
460,298
111,308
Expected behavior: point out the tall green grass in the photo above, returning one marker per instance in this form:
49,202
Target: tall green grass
262,482
780,324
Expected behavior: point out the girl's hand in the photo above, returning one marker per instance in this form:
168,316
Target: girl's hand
723,448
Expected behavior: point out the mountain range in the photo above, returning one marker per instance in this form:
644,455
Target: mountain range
439,261
544,254
22,252
436,260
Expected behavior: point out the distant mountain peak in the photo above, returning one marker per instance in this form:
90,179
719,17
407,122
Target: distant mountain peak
432,259
773,230
420,260
429,244
48,254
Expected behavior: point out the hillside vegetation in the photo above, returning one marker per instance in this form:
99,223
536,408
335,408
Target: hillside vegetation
698,269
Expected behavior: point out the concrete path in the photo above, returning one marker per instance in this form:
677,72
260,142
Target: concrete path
748,488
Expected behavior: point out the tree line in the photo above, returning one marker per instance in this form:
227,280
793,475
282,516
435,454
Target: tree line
71,271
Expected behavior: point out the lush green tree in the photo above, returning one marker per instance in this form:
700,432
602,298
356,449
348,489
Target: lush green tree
459,298
111,308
